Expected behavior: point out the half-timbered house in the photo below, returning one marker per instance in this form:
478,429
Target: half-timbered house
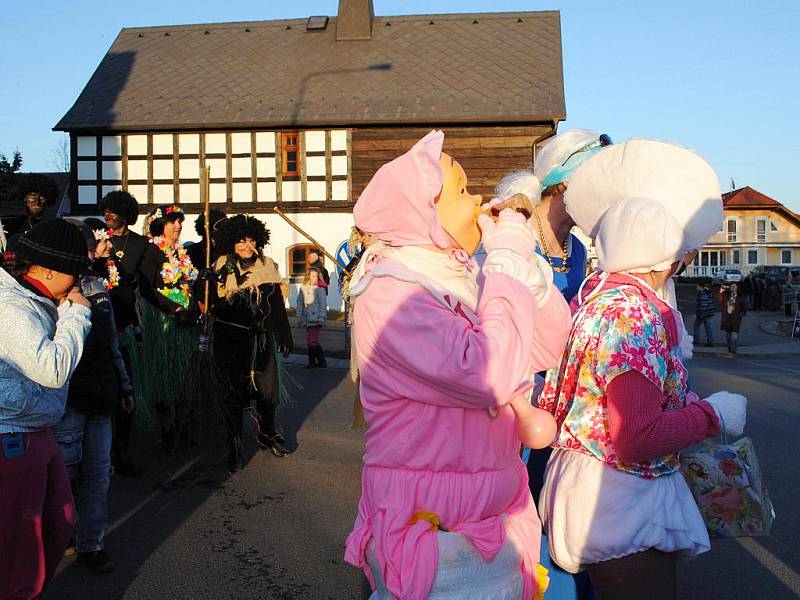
301,113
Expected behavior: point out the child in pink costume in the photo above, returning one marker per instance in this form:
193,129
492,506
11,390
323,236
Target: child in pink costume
438,369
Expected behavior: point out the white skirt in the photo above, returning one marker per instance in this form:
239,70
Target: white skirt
462,574
592,513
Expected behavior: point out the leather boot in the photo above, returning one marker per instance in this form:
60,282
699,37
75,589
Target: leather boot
320,356
311,362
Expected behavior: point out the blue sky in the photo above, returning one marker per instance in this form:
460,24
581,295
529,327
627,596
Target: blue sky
722,77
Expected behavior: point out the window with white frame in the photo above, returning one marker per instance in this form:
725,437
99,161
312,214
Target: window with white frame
752,257
786,256
732,230
761,231
736,257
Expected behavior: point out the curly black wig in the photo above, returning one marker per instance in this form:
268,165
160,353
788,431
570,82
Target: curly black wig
164,214
215,216
122,203
34,183
234,229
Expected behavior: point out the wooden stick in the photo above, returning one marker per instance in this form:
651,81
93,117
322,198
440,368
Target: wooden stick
310,239
206,213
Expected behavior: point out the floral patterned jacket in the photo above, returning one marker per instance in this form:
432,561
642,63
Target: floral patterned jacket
614,331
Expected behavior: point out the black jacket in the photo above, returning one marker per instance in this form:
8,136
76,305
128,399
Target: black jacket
98,383
133,247
151,280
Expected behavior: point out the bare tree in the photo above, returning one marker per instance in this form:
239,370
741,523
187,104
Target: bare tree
60,156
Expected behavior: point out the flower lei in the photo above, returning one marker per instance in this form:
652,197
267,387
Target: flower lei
178,269
112,280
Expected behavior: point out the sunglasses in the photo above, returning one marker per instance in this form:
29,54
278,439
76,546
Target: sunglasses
603,141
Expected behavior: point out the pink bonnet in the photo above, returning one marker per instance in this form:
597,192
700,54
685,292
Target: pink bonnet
397,206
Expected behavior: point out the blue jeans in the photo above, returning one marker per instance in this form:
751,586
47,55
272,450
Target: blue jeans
706,321
85,441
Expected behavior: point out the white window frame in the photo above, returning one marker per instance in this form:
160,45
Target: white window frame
791,256
749,250
759,238
736,256
732,237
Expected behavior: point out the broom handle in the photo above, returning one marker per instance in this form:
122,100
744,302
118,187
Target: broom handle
207,224
311,239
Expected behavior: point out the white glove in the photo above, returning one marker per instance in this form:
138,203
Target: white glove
731,411
510,249
511,232
687,346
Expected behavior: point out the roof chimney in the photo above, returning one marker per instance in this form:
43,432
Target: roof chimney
355,20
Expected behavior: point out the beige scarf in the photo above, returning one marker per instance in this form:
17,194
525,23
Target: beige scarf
264,270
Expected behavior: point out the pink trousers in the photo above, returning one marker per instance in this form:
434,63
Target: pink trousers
36,516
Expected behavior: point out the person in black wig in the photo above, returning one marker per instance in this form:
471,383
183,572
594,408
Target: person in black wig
37,192
250,329
197,251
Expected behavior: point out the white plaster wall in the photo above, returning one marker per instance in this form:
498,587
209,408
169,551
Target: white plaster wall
112,145
137,145
87,146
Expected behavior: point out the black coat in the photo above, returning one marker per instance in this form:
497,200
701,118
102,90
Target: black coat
151,280
133,247
732,321
96,384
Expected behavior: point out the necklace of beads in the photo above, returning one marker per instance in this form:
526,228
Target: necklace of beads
562,268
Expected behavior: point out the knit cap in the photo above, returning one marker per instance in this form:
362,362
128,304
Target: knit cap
55,244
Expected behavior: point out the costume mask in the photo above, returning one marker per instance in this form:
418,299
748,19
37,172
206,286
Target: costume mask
458,210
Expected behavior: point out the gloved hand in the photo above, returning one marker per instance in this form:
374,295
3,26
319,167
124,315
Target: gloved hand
511,232
207,275
731,410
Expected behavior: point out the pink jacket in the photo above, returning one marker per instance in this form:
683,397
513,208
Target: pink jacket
431,444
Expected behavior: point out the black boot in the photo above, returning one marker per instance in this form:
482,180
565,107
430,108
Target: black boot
234,455
311,362
320,357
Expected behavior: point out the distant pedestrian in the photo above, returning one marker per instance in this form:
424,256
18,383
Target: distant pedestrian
44,320
747,292
315,263
758,292
704,311
312,312
773,294
733,310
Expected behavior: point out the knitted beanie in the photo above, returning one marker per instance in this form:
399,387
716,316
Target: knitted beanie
55,244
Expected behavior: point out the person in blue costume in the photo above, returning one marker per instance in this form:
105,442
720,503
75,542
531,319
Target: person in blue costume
554,163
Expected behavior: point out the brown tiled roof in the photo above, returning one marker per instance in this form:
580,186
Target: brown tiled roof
747,197
486,67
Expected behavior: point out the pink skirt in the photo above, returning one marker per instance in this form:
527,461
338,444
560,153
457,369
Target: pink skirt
312,335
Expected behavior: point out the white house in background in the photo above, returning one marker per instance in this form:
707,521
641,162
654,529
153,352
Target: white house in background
757,230
301,113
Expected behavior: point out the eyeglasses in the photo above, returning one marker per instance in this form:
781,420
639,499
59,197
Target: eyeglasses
603,141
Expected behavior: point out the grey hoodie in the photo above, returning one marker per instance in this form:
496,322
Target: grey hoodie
37,355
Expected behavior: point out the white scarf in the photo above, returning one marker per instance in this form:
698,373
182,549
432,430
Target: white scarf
441,271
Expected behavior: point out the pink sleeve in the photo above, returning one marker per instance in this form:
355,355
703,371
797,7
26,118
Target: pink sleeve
411,343
550,332
640,429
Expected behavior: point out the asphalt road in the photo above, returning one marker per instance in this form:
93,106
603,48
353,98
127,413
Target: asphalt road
276,530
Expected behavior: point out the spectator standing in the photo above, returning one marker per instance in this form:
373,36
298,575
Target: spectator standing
704,311
773,294
312,312
747,292
758,292
197,251
44,321
733,309
315,263
122,261
251,329
99,385
168,339
37,192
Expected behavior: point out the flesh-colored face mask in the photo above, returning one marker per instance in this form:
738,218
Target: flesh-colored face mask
458,210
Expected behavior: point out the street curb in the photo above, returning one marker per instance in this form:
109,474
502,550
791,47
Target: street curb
740,354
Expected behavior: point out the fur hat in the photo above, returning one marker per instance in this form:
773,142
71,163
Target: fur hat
234,229
122,203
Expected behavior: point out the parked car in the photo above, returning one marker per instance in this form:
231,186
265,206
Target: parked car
727,276
782,273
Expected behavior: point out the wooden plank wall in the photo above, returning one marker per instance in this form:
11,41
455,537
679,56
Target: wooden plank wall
486,153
